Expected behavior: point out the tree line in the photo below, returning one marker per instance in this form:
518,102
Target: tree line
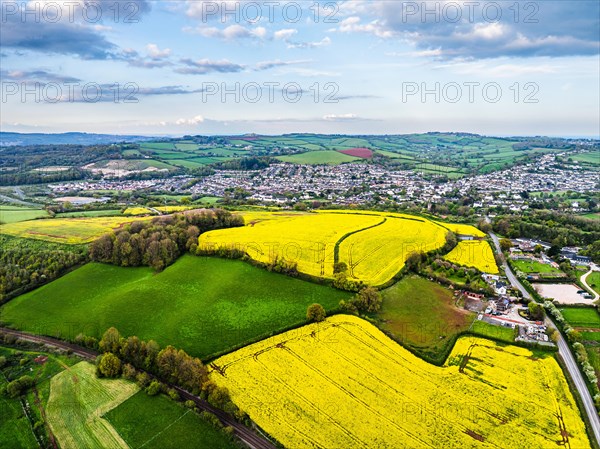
159,242
133,358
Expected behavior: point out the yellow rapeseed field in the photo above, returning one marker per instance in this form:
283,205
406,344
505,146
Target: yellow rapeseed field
137,211
375,255
67,230
474,253
307,239
463,229
256,216
171,209
343,384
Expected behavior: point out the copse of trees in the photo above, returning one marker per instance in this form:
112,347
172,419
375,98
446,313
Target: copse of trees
168,364
536,311
159,242
367,300
315,312
133,359
19,386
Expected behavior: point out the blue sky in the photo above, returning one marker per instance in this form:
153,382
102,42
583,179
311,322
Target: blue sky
226,67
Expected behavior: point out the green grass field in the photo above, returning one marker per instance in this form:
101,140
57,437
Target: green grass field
533,266
318,157
202,305
594,357
90,213
590,336
588,158
502,333
208,199
592,216
421,315
585,317
78,400
593,280
393,155
15,428
187,164
157,145
14,214
186,146
157,422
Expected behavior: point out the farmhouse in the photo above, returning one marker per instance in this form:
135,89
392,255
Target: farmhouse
575,258
498,306
500,288
502,305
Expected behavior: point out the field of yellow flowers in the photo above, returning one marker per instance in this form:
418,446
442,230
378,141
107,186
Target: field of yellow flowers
463,229
343,384
374,245
307,239
474,253
67,230
375,255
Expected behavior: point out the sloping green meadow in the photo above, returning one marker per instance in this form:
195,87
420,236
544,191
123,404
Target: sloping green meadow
203,305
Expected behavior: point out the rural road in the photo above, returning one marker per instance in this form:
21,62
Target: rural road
563,350
584,281
509,274
246,435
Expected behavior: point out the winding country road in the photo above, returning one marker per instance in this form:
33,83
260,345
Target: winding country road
584,281
246,435
563,350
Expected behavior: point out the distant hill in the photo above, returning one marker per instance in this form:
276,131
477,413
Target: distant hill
19,139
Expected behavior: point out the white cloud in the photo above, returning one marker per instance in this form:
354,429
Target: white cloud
285,33
265,65
428,53
376,27
204,66
156,53
231,32
340,117
322,43
488,30
192,121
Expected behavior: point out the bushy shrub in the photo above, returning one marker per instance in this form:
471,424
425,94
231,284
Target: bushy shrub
154,388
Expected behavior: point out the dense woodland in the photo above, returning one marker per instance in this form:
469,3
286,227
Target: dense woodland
159,242
26,264
34,156
33,177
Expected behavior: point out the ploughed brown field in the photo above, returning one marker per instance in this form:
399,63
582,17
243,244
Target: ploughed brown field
364,153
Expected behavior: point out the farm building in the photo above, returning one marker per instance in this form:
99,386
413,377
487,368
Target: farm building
575,258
